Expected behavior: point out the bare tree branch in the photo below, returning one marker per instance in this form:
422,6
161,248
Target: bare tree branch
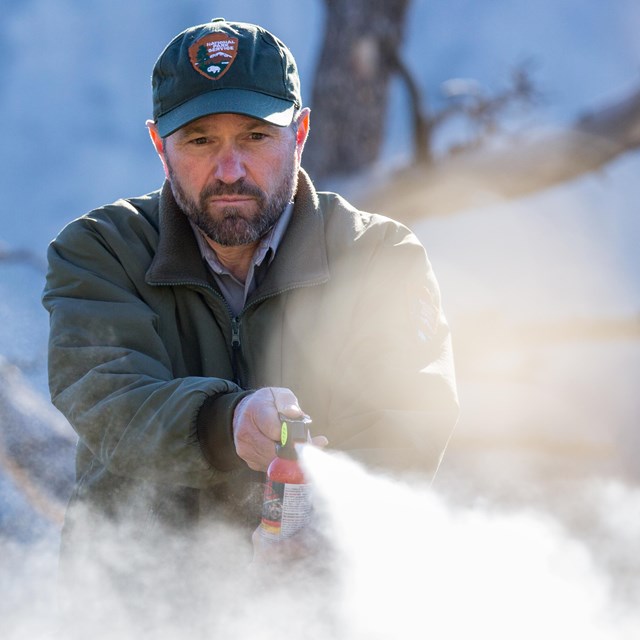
22,256
36,446
47,507
422,122
526,165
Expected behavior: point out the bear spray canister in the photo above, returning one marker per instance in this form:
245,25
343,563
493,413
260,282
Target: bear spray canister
287,503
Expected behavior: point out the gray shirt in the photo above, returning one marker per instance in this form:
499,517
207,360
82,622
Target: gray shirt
234,291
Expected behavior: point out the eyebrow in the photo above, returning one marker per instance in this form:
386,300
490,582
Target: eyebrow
254,123
192,128
248,125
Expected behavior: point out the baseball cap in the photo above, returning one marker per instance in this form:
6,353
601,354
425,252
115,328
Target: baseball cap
224,67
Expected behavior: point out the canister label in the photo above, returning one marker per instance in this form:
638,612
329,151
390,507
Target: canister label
285,510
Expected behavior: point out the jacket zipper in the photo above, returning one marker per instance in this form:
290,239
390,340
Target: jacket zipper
235,325
236,352
236,345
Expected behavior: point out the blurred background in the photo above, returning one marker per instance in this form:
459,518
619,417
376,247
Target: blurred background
503,132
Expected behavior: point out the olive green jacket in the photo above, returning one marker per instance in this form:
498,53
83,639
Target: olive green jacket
147,364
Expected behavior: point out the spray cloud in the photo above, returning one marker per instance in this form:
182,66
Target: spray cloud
401,563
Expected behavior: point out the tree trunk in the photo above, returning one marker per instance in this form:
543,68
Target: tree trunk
351,87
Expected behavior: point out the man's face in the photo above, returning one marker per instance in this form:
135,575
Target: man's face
233,175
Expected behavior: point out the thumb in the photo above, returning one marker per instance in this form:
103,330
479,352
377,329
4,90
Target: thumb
319,441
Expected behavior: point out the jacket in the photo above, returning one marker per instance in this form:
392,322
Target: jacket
147,363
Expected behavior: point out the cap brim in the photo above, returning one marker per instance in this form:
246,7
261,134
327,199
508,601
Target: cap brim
249,103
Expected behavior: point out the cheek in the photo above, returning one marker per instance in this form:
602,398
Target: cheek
281,162
193,176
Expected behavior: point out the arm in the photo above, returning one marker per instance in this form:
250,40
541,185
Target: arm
112,370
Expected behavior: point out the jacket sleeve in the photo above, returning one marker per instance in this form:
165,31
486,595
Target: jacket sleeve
110,372
398,402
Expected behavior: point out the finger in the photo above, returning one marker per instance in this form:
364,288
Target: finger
264,419
255,430
258,412
285,402
257,450
319,441
257,425
255,460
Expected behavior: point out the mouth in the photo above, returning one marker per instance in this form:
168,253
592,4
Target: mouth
231,199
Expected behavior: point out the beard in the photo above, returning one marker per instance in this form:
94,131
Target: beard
229,226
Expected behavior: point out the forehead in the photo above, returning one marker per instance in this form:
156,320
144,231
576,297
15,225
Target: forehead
226,122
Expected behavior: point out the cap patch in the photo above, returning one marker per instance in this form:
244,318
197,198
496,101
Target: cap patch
213,54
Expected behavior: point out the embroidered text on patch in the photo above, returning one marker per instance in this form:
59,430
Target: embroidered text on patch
212,55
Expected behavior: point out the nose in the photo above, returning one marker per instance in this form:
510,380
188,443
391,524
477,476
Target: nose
229,164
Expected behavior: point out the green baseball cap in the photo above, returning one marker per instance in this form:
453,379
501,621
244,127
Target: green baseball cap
224,67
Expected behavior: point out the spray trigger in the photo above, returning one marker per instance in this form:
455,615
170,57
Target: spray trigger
295,429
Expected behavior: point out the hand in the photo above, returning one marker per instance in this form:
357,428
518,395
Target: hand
256,426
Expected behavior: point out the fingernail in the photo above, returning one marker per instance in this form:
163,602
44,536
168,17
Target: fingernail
293,409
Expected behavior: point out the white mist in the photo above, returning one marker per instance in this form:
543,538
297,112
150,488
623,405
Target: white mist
405,565
414,567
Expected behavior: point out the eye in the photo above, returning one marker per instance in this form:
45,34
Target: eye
257,135
199,141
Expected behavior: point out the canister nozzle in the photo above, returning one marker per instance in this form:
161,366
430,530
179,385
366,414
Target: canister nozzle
293,431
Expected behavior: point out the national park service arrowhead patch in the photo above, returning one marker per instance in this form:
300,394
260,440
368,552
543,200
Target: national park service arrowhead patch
213,54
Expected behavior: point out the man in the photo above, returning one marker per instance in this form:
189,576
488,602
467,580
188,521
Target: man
184,321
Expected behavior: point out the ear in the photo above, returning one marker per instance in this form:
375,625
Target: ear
302,131
158,144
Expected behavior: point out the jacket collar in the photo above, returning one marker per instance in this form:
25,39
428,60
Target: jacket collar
301,259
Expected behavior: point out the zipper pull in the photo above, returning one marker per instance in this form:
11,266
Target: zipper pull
235,333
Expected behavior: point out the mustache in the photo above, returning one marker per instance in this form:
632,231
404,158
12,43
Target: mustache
238,188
